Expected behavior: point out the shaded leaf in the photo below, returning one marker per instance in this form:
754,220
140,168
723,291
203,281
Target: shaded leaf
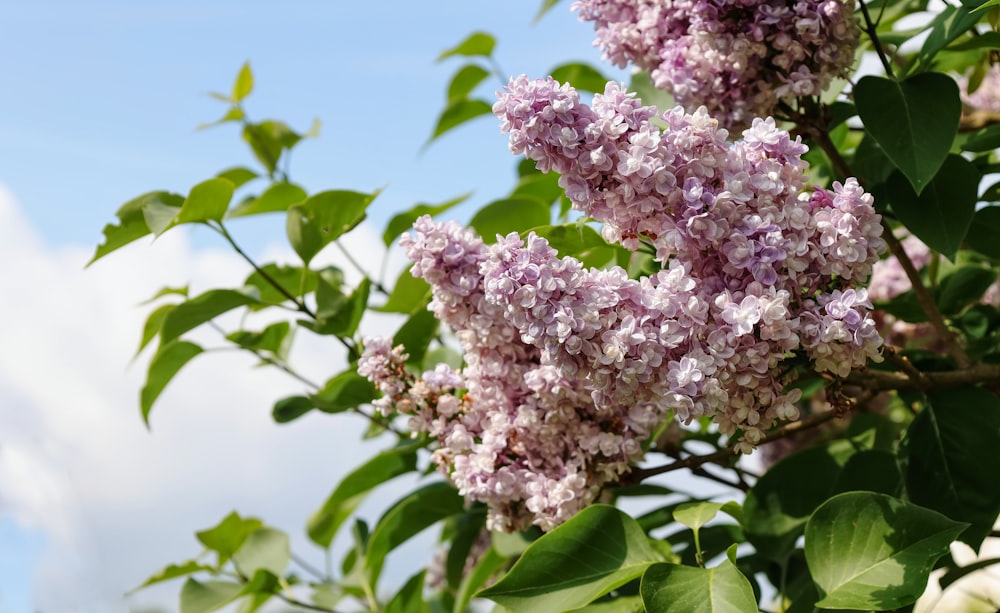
202,308
168,361
580,76
408,294
941,215
152,326
344,392
963,287
416,335
985,139
551,577
914,121
291,408
324,523
516,214
238,175
295,280
984,230
407,518
948,25
404,221
950,461
409,598
872,551
340,316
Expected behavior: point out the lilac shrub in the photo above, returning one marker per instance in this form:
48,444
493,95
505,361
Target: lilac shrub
736,57
570,370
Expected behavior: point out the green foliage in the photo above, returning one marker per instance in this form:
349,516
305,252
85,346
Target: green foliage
872,551
549,578
854,519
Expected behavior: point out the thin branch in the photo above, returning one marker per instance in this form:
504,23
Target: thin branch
309,568
878,380
727,453
925,300
350,258
920,291
870,30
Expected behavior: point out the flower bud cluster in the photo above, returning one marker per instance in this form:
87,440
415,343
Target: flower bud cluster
737,57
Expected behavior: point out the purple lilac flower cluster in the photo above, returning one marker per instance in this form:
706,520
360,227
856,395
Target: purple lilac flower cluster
737,57
986,97
570,370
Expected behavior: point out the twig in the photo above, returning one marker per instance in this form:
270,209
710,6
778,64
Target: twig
878,380
692,462
925,300
870,30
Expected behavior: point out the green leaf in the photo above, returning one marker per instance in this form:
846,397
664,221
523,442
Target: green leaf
985,40
871,551
581,76
408,295
963,287
264,549
515,214
476,44
941,215
153,324
202,308
238,175
228,536
416,335
545,8
949,24
458,112
243,84
132,222
950,461
275,199
339,316
671,588
207,201
984,230
694,515
871,470
465,80
914,121
486,567
594,552
344,392
209,596
291,408
323,218
985,139
404,221
410,598
169,359
233,113
294,279
544,187
774,515
173,571
272,339
407,518
268,139
391,463
579,241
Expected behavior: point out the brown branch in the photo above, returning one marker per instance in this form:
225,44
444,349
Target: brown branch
974,120
695,461
878,380
925,300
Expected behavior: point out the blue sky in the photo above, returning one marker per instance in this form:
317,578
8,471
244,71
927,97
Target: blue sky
100,103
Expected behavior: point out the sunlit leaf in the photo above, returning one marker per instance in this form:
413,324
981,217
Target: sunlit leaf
671,588
872,551
264,549
550,576
581,76
228,536
243,84
132,222
459,112
476,44
275,199
323,218
515,214
465,80
210,596
202,308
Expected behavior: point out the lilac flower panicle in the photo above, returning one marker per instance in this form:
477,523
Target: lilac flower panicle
569,370
738,58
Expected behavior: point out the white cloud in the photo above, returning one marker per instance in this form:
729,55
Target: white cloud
116,501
